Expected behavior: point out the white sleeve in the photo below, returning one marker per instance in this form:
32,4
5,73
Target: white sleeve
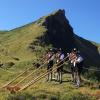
80,59
62,57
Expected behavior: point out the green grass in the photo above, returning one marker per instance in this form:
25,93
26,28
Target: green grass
43,90
15,43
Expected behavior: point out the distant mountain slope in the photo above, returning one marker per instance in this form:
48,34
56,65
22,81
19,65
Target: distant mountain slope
53,30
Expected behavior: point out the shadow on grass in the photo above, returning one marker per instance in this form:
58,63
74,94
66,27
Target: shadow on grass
37,95
43,95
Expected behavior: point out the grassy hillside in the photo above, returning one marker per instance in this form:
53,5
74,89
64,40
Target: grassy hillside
15,42
22,46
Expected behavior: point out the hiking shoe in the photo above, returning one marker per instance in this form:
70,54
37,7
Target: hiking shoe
60,82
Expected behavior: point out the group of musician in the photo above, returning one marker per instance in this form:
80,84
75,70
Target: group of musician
75,60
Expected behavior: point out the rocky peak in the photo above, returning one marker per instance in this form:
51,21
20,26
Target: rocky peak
59,32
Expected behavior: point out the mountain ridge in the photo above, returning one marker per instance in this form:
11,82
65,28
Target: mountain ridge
54,30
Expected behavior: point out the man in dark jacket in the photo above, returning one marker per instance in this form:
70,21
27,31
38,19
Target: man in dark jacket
50,59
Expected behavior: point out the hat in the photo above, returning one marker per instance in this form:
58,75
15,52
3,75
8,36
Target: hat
67,54
50,49
74,49
59,49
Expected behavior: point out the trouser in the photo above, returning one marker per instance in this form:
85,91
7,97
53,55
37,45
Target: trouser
79,71
73,72
49,70
49,76
59,72
76,73
59,76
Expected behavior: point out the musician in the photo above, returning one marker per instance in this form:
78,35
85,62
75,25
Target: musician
72,59
50,60
76,66
59,61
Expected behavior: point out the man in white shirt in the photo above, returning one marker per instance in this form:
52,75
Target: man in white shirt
76,61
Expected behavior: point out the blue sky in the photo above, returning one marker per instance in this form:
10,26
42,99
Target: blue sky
83,15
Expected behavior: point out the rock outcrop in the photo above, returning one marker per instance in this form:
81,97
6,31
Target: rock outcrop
60,34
